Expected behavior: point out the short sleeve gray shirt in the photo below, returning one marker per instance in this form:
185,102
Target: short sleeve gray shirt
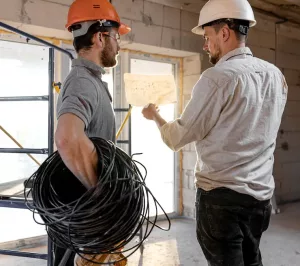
85,95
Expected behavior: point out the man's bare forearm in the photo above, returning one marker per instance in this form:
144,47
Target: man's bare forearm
80,156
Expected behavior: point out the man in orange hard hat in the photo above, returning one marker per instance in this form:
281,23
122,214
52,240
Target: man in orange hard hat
84,107
233,118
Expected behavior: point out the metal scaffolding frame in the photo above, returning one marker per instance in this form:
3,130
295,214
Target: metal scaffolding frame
13,202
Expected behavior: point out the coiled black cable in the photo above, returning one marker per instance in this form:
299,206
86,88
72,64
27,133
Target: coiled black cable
100,220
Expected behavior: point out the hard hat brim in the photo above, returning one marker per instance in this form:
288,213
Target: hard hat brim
124,29
198,30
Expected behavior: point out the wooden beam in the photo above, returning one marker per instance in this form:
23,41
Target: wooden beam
276,10
193,6
292,2
284,3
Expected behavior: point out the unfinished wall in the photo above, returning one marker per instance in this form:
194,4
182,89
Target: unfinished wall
287,155
159,25
191,74
152,24
281,47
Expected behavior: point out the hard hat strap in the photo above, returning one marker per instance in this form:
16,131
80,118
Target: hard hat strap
82,28
108,23
242,26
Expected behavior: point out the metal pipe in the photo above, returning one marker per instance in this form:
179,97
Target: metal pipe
15,141
50,132
29,36
19,150
23,254
181,107
121,109
124,122
276,36
24,98
7,202
129,137
123,142
51,102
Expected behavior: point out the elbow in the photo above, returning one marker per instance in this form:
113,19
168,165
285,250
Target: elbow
173,135
176,148
62,141
171,145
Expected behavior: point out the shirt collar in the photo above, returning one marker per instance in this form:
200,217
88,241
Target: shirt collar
243,51
88,64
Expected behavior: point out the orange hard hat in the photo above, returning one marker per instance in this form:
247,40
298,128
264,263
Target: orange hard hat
94,10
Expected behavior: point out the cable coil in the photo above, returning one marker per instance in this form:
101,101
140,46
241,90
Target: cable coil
101,220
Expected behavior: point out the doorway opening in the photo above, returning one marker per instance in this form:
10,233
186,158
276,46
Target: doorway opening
156,156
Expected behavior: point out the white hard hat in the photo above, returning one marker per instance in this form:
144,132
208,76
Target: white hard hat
223,9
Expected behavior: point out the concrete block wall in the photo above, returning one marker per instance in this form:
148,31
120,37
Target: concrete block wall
191,74
159,25
152,23
281,47
287,155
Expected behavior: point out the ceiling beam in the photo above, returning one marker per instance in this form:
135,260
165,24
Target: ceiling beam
293,2
276,10
285,3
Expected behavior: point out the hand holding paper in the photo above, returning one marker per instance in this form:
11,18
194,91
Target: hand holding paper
150,111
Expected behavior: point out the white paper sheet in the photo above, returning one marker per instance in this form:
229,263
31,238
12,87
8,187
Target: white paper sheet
144,89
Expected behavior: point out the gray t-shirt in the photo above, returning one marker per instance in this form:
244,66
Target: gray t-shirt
85,95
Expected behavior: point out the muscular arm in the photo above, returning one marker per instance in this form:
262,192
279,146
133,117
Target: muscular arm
76,150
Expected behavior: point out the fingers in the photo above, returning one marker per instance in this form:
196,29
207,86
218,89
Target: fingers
151,106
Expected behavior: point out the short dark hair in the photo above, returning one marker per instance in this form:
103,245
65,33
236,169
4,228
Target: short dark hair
85,42
240,27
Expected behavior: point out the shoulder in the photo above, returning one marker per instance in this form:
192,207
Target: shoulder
267,65
80,81
216,76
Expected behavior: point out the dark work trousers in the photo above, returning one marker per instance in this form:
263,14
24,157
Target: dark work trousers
62,187
59,254
230,225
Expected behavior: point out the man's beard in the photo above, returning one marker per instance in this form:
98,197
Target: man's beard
214,58
108,58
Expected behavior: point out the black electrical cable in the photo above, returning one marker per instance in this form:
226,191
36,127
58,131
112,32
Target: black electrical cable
101,220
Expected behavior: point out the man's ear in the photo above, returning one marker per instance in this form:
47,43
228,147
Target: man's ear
98,39
225,34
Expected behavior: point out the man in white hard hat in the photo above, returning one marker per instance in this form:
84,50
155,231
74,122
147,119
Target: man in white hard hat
233,117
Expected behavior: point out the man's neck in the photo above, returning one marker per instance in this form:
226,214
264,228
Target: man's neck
87,55
233,47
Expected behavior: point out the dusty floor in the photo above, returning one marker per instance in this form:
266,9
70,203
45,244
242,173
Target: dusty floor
280,244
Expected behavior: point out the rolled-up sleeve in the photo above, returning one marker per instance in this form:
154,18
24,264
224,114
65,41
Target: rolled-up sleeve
199,116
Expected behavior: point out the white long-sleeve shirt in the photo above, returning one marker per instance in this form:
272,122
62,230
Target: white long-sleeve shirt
233,117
